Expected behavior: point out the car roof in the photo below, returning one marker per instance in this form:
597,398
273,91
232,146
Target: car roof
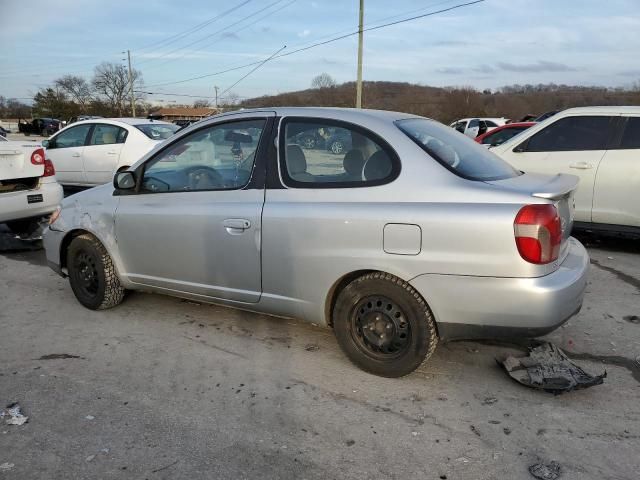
127,121
603,109
516,124
351,114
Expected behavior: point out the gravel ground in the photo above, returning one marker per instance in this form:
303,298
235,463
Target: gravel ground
164,388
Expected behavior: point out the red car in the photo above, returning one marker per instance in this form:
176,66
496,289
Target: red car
499,135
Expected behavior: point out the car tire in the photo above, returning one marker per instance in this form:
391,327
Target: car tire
25,228
378,304
92,274
337,147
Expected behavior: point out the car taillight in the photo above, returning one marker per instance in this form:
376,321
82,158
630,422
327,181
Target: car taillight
49,171
538,233
37,157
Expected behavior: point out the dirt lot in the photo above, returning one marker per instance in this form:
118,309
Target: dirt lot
163,388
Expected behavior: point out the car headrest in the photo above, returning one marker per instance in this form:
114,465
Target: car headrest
353,163
108,137
296,161
378,166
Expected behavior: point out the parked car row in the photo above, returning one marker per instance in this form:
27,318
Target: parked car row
39,126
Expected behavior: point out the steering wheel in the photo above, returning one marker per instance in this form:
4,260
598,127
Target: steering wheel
199,174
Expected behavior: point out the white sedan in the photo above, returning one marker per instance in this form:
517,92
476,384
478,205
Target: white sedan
28,187
88,153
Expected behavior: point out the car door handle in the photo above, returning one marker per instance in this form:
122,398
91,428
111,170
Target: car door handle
235,226
75,154
112,153
581,165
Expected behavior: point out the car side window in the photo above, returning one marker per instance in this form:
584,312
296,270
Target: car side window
490,124
104,134
631,135
572,134
501,136
474,123
220,157
73,137
460,126
340,155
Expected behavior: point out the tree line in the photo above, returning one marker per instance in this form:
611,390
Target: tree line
447,104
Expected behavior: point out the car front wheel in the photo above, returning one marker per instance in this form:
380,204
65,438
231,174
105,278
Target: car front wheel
383,325
92,274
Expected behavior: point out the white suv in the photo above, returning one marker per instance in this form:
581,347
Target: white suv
601,145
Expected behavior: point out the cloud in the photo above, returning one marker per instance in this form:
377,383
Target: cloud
304,33
451,43
630,73
484,69
539,66
231,35
314,4
451,71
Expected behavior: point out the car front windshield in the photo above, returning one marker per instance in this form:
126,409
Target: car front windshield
455,151
158,131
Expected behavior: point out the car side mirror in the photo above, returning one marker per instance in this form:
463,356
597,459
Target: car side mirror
45,143
124,181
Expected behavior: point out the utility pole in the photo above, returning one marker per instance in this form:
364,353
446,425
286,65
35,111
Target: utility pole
133,98
359,82
216,89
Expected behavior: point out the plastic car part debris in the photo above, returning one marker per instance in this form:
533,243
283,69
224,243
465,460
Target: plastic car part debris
548,368
14,414
542,471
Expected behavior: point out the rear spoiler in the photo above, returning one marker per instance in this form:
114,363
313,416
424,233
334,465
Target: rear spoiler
560,186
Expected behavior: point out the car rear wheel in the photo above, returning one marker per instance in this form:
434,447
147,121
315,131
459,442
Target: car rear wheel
92,274
383,325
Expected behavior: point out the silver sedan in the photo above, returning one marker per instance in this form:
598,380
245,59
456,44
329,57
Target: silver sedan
408,235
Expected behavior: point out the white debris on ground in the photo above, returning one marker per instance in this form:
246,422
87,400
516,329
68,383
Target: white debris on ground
13,415
5,467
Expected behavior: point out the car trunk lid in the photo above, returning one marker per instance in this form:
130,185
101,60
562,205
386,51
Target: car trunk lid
15,162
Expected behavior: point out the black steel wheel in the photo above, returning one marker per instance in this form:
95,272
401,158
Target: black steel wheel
92,274
383,325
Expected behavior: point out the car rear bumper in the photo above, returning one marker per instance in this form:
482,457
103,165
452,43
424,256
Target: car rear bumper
16,206
489,307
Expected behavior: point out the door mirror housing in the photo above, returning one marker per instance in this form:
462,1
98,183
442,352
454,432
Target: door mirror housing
124,181
45,143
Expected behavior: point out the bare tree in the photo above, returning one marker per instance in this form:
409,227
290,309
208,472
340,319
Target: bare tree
77,88
111,81
324,80
201,103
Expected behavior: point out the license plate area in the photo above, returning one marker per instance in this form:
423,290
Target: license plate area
36,198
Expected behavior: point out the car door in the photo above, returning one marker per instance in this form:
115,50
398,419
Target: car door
473,128
573,144
616,195
100,156
65,151
194,222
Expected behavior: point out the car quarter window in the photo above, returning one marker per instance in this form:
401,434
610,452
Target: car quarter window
104,134
73,137
340,155
490,124
219,157
574,133
631,134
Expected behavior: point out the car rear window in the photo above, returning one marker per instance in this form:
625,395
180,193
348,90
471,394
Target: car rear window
158,131
456,152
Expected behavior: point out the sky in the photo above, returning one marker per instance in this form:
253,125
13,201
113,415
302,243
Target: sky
486,45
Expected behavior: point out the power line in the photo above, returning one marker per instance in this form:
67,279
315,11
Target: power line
317,44
244,27
253,70
214,33
189,31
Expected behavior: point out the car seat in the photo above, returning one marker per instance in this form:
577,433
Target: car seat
297,164
353,164
377,167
